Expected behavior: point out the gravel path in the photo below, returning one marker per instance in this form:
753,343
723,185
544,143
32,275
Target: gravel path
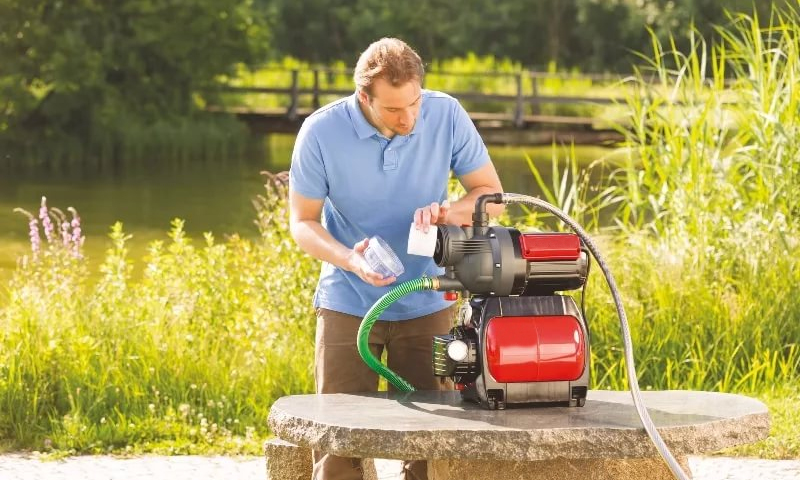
26,467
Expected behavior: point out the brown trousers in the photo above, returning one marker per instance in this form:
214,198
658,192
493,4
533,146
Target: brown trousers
340,369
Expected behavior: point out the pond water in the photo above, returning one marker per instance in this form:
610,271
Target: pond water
209,196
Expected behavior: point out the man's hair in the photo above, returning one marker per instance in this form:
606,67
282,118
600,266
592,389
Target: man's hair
390,59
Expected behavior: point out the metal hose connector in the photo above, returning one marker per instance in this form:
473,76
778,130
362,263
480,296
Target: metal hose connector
371,317
647,422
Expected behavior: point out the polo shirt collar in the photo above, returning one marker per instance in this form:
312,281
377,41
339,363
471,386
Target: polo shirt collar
364,129
420,118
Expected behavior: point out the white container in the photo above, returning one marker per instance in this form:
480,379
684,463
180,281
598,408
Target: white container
420,242
382,259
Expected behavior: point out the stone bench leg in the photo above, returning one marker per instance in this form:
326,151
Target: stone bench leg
588,469
287,461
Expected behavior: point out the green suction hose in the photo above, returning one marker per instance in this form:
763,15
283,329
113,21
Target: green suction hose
371,317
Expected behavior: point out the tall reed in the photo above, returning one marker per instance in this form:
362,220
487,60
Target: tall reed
705,233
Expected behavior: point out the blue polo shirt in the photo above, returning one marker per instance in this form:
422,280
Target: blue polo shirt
372,185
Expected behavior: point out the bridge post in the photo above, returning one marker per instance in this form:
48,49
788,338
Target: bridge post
294,92
519,122
535,95
315,92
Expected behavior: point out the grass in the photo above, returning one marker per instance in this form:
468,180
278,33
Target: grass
783,441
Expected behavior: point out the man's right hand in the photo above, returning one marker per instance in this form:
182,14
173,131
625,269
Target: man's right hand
358,264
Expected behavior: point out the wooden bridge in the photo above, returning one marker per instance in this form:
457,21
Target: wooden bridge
529,111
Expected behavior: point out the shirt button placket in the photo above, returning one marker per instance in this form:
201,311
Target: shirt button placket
389,159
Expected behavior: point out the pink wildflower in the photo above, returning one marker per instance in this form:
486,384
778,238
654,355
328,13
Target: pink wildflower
65,235
47,224
33,231
77,238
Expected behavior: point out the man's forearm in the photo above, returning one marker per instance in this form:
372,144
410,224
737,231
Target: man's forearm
312,237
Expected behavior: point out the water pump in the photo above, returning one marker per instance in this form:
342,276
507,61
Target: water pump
517,340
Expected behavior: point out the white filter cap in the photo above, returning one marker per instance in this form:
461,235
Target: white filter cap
420,242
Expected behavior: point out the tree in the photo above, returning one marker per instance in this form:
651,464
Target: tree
71,68
593,35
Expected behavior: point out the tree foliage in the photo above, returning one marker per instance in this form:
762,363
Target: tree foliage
72,68
82,72
588,34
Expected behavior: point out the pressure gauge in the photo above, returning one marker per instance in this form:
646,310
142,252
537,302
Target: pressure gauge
457,350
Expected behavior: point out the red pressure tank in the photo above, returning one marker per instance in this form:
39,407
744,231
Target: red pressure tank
535,348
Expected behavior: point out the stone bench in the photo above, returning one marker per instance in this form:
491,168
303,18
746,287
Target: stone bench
287,461
602,440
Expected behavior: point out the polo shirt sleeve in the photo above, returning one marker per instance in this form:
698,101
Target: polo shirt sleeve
307,173
469,151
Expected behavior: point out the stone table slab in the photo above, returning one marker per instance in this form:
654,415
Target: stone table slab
460,438
426,425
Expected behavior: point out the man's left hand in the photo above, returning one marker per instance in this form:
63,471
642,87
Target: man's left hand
431,214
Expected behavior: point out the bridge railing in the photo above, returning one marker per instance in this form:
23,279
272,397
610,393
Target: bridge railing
517,97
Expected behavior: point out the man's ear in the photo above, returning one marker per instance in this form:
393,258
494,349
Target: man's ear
363,97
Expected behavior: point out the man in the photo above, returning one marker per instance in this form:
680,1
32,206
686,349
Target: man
370,164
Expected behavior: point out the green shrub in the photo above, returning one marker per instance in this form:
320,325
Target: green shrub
186,359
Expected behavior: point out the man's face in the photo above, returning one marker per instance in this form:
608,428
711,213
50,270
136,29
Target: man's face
393,110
